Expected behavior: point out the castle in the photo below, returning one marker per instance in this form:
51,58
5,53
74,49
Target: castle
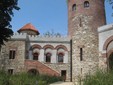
88,45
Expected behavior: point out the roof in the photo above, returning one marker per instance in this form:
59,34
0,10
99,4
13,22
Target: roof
29,26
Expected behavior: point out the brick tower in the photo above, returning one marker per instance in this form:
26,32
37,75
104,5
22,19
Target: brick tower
84,17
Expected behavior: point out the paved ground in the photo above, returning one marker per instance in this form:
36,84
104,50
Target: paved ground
62,83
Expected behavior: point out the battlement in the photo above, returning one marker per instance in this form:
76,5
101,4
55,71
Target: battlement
19,36
24,36
48,38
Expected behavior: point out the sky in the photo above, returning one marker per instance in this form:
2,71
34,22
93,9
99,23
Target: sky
47,15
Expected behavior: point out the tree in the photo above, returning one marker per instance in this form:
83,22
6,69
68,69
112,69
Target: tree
6,13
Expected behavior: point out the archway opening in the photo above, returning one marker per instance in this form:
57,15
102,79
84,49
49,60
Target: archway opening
33,72
111,61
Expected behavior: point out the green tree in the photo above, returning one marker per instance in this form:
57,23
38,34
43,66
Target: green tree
6,13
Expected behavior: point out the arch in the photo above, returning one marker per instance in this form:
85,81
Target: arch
107,42
48,46
74,7
35,46
33,72
86,4
61,46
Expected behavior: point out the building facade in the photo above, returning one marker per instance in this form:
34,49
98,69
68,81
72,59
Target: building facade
87,47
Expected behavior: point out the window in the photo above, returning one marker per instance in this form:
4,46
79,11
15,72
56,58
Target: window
12,54
10,71
48,57
35,56
81,53
86,4
74,7
60,57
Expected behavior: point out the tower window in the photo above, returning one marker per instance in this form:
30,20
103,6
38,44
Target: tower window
48,57
74,7
12,54
81,54
35,56
60,57
86,4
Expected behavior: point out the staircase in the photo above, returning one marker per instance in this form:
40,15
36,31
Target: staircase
40,67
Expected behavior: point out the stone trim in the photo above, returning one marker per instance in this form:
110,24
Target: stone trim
107,42
61,46
48,46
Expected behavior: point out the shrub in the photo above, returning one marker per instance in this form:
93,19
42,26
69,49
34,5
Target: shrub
99,78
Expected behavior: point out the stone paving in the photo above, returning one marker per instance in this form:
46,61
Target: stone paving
62,83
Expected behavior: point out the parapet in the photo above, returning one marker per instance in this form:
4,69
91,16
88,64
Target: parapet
19,36
49,38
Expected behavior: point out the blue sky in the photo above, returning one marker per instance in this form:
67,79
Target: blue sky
46,15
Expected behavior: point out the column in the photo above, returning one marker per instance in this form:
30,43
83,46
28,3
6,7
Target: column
30,57
54,56
41,56
66,57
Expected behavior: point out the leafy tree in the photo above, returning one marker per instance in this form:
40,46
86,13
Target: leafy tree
6,13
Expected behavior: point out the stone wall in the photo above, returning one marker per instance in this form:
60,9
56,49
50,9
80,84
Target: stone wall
85,38
16,64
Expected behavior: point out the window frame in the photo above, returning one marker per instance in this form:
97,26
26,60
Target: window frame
12,53
86,4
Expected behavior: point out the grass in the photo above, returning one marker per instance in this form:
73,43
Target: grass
99,78
26,79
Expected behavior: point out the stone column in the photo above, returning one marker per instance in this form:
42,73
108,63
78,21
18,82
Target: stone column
30,57
65,57
54,56
41,56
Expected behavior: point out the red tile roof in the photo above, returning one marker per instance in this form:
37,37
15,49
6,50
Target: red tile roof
29,26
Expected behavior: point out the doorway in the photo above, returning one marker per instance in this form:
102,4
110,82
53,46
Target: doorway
111,61
63,74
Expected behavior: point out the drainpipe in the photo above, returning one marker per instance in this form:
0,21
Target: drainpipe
71,60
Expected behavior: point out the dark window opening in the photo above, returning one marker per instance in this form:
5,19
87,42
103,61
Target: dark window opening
48,57
12,54
60,57
74,7
86,4
63,74
81,54
80,24
35,56
10,71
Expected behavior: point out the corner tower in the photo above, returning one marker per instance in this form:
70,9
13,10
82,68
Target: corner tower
84,18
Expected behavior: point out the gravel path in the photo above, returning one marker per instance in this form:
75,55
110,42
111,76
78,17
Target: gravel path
62,83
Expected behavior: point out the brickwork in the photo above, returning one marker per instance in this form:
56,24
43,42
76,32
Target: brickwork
95,9
83,23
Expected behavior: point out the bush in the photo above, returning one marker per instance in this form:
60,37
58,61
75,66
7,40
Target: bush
99,78
26,79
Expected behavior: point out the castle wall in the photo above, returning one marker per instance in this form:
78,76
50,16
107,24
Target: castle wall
17,64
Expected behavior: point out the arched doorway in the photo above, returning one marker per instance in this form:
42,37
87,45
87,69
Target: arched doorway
33,72
111,61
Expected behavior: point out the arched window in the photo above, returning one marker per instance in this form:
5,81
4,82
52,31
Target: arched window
60,57
48,57
74,7
35,56
86,4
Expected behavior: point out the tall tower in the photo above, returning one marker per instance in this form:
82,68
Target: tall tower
84,17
